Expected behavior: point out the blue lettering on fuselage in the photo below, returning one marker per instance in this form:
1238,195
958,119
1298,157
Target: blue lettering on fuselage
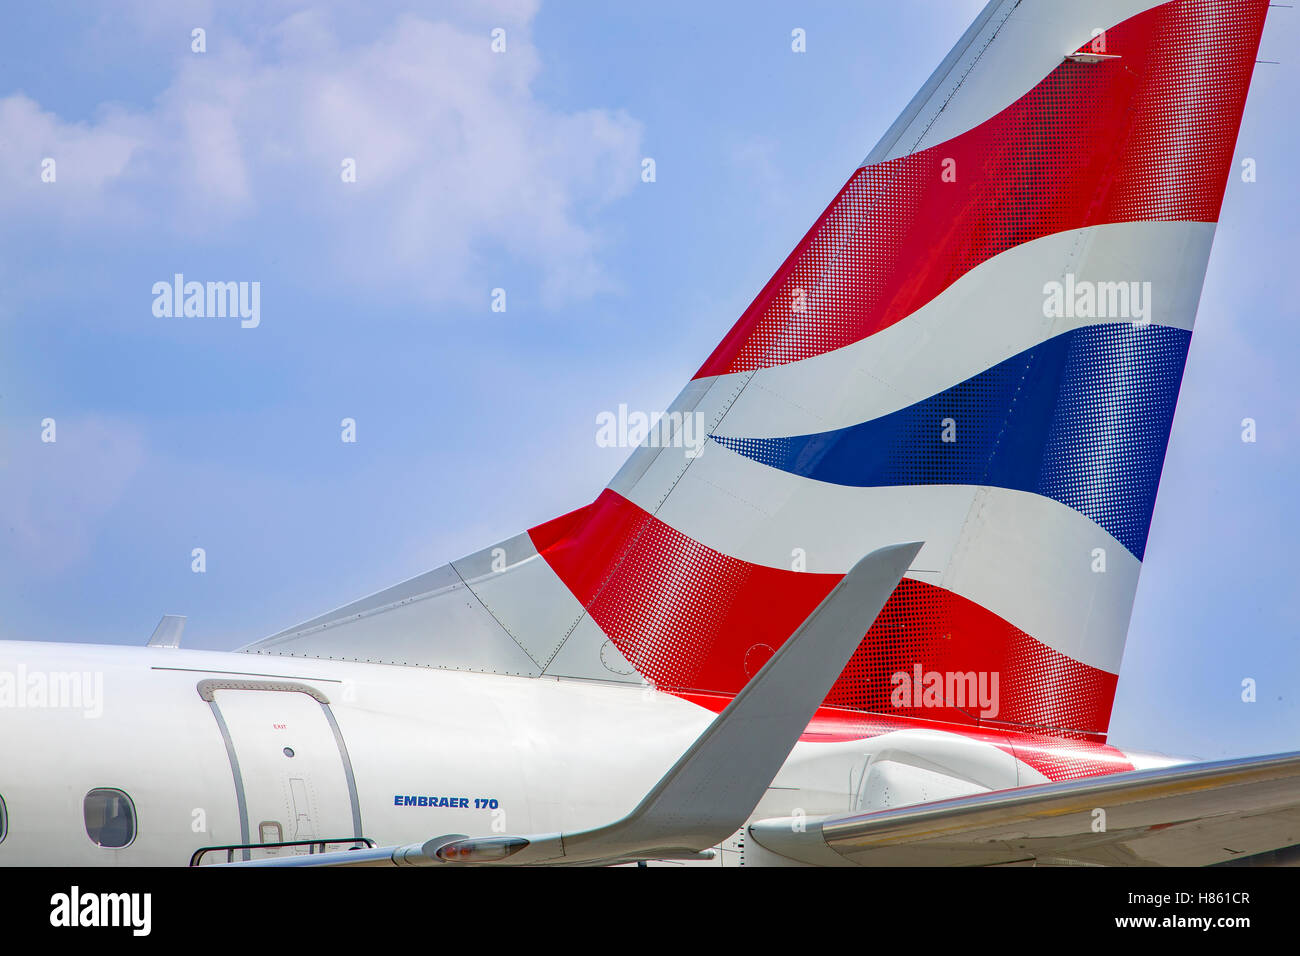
407,800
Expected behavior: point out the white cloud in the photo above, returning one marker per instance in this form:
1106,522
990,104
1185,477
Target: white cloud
87,157
457,160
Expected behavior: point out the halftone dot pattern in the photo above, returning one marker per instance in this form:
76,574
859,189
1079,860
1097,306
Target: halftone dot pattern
1147,137
1064,755
657,613
1106,448
1083,418
1184,103
945,633
1065,758
683,614
686,616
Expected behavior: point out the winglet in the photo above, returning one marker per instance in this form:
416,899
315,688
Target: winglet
714,787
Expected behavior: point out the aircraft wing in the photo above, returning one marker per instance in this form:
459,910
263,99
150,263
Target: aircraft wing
1189,815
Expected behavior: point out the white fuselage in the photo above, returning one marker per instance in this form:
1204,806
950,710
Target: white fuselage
326,749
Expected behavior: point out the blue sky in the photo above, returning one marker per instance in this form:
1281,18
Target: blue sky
519,171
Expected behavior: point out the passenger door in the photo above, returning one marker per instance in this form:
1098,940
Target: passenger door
291,769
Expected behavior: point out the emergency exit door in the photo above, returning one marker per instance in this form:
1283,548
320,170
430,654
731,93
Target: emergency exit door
292,774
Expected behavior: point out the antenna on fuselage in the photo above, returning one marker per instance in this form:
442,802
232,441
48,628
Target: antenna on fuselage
168,632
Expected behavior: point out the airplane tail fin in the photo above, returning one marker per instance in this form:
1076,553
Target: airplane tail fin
978,344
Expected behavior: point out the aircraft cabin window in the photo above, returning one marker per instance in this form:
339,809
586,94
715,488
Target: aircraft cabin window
110,818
